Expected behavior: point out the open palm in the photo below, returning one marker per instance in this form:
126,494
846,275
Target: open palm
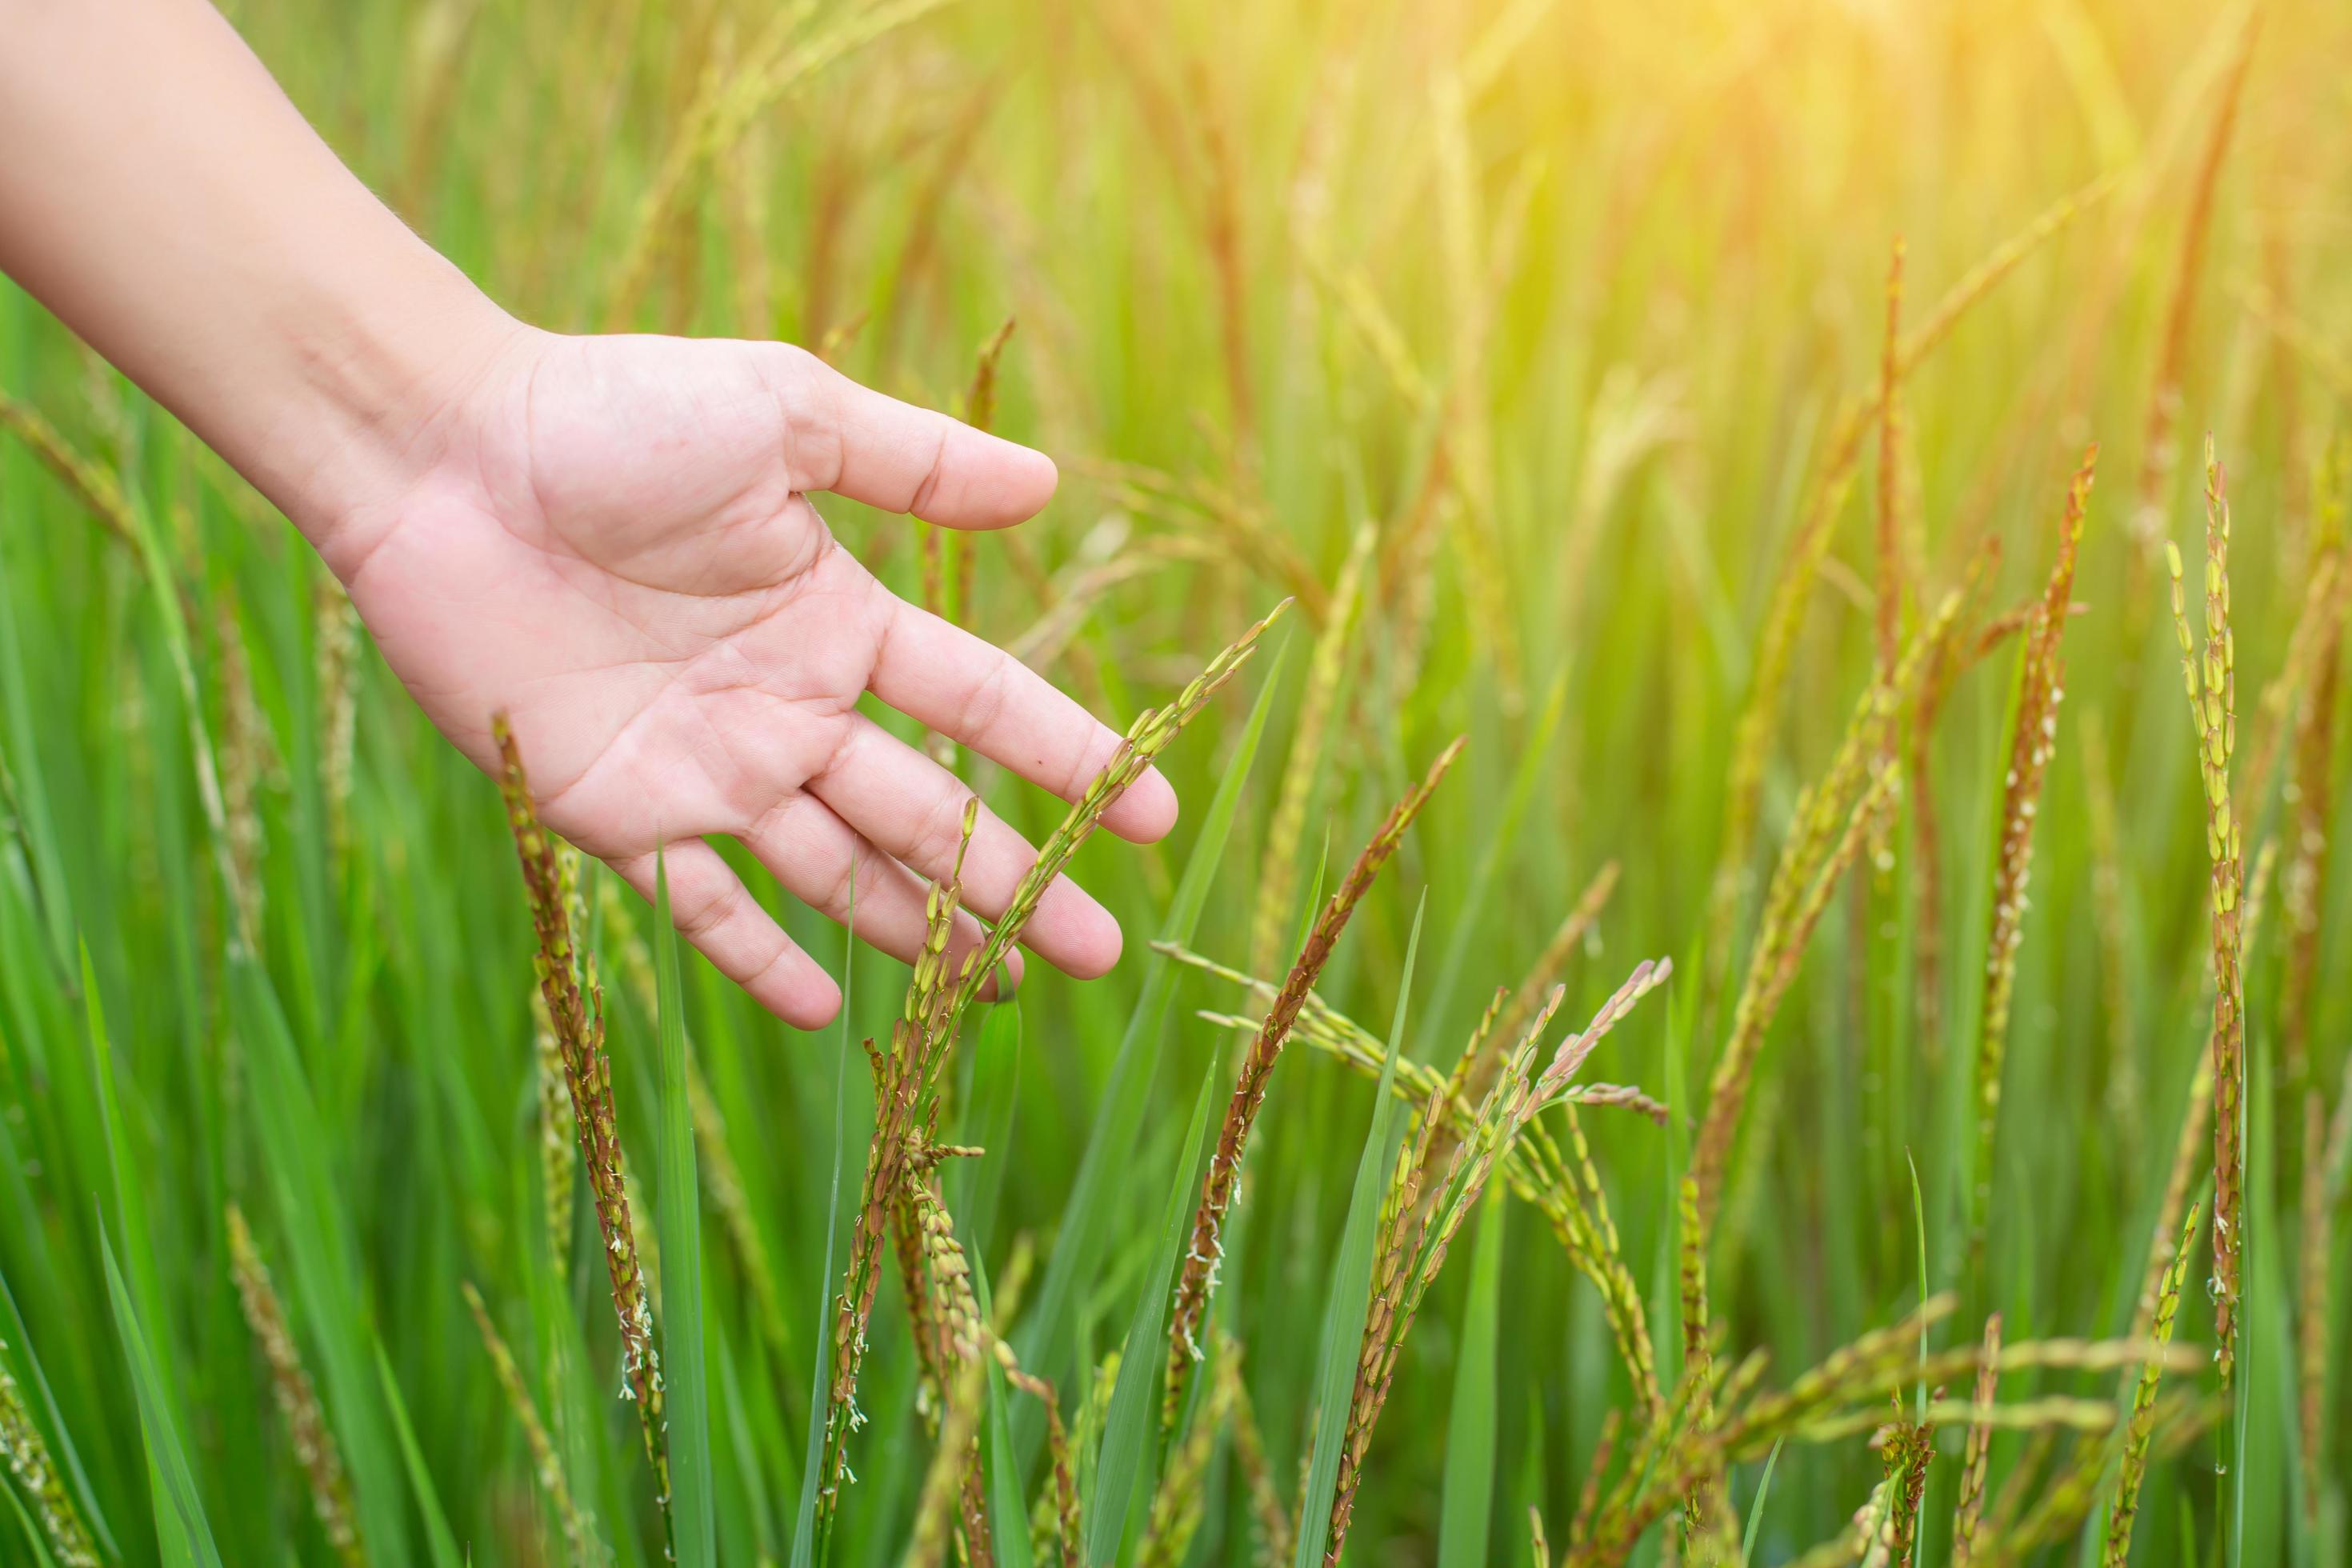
612,543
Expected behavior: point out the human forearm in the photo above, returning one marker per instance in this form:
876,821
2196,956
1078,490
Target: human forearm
164,198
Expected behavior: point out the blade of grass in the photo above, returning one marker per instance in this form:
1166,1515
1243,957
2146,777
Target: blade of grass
1347,1304
1465,1513
689,1404
1533,769
183,1535
41,1558
1128,1428
442,1545
1756,1504
1044,1340
300,1163
804,1529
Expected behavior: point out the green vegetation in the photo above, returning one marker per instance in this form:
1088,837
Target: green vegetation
1856,1005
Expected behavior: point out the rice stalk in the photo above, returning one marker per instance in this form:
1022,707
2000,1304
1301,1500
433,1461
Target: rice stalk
907,1076
2310,790
1978,1458
1333,645
2112,926
546,1466
1810,868
37,1477
1809,546
2211,682
2032,741
721,1172
901,1081
575,1008
1196,1277
1588,1498
1546,971
2159,454
2313,1326
298,1399
336,630
245,759
1888,619
1146,738
724,109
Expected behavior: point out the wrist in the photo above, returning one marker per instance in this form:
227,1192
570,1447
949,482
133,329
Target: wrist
376,388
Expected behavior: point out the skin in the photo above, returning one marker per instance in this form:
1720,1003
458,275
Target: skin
608,538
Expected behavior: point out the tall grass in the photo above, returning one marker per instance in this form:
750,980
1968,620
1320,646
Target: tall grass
1548,357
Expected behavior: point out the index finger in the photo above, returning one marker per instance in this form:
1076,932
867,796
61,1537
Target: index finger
973,691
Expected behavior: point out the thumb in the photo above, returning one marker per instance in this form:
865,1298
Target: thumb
856,442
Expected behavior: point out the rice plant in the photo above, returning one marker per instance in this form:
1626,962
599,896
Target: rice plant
1591,508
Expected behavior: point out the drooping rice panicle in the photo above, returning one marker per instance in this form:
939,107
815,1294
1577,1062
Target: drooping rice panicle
1416,1240
38,1477
546,1465
576,1009
908,1075
2133,1475
2212,683
1196,1277
2040,687
1146,738
1569,1200
315,1450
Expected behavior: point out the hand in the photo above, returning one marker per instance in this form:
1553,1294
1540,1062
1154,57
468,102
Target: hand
610,539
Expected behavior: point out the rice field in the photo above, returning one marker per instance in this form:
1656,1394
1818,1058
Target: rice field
1747,604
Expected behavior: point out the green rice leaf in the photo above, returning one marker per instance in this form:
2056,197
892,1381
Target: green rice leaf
807,1549
437,1539
1756,1504
183,1534
1130,1425
685,1383
1466,1511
